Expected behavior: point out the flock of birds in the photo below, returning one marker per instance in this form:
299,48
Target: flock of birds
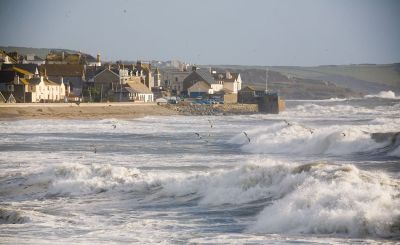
200,137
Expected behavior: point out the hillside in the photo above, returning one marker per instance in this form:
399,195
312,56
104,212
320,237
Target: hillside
41,52
295,87
365,78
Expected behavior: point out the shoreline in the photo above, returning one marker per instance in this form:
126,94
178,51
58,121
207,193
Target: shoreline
82,111
71,111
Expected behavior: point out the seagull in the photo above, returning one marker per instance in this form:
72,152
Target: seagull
344,135
288,123
199,136
245,134
114,126
210,123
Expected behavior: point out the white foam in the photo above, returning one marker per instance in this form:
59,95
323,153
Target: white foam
335,199
383,94
303,140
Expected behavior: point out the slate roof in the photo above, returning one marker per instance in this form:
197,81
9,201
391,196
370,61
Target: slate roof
7,76
92,71
197,75
205,75
64,70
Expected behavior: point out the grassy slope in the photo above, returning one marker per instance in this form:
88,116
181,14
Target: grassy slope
382,74
41,52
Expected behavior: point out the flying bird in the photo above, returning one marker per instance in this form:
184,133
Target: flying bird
199,136
245,134
288,123
211,125
114,126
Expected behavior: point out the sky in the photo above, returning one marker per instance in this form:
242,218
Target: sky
236,32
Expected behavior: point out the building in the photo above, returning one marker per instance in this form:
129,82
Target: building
195,76
63,57
270,103
33,59
6,58
250,93
199,89
229,80
72,75
41,89
143,70
173,79
157,78
25,87
133,91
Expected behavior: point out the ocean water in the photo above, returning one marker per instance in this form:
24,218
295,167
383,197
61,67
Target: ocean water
322,172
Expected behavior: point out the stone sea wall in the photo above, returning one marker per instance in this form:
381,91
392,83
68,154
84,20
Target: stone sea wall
218,109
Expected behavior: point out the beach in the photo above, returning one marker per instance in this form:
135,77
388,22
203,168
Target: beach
82,111
116,110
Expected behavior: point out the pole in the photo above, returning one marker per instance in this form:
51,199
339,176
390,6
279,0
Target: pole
101,93
266,80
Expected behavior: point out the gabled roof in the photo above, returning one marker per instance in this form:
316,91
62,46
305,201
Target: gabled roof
27,67
22,71
92,71
138,87
197,75
64,70
107,70
205,75
200,86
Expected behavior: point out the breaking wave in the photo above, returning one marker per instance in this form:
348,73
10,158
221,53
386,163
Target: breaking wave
8,216
383,94
328,199
312,198
295,138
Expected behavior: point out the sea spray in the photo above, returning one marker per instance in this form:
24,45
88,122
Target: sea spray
336,199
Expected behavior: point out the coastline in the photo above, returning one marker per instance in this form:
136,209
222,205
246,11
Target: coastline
115,110
82,111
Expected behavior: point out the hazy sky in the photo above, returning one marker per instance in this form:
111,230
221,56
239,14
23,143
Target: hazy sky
281,32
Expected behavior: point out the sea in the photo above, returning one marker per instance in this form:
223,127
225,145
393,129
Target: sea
320,172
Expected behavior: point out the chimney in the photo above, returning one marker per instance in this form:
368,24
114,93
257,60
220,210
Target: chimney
62,56
61,80
228,75
209,70
194,68
45,72
98,58
16,79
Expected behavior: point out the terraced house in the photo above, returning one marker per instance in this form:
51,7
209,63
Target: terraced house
27,87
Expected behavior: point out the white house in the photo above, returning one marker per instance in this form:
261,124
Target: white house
230,81
42,89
